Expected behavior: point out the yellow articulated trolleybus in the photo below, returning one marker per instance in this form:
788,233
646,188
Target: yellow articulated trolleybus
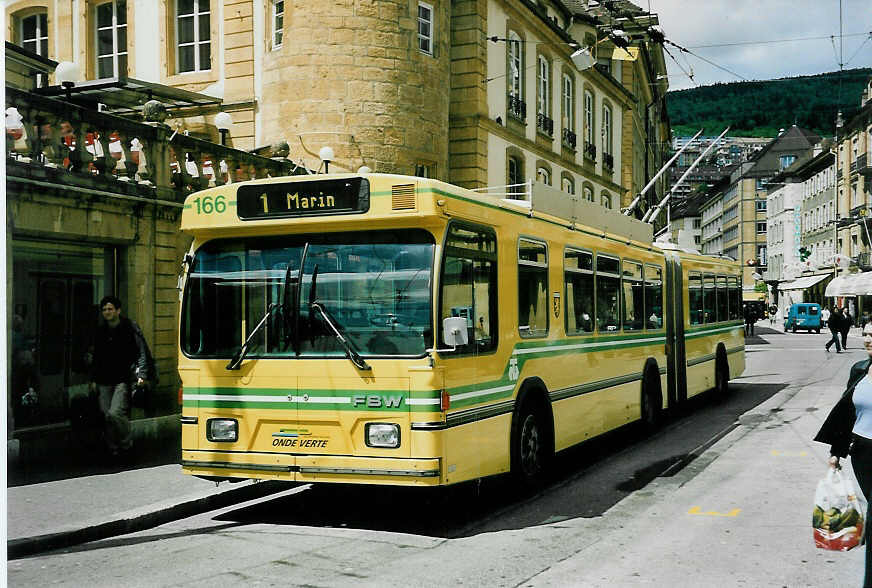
388,329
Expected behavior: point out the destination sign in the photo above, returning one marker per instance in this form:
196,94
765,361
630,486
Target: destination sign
311,198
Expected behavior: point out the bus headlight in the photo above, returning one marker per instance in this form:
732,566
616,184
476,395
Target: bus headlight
222,430
382,435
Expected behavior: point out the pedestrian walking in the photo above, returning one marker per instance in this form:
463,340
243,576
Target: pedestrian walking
847,323
772,312
118,359
834,324
750,319
825,316
848,430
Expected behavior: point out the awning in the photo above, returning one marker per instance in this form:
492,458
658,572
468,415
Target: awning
851,285
803,282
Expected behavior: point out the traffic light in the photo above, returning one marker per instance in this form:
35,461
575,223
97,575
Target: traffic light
804,253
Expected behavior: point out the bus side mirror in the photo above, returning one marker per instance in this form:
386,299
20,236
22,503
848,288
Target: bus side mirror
454,332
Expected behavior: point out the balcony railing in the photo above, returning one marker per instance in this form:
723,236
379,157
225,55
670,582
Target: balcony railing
589,151
569,139
62,143
608,161
517,108
544,124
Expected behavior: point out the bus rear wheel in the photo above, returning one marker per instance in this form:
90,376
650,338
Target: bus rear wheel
652,400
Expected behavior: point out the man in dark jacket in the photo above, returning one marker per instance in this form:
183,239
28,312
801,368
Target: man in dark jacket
835,324
118,359
847,323
750,319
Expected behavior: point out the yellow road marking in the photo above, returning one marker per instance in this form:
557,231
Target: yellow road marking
695,510
776,453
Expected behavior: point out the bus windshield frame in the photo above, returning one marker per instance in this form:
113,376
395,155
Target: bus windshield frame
376,285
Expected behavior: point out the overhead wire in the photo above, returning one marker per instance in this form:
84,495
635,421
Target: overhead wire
740,43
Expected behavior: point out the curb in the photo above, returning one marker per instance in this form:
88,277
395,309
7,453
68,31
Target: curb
139,520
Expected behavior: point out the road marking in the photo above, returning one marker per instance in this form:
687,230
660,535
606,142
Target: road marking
776,453
695,510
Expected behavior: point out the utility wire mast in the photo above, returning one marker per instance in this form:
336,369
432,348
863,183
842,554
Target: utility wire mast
651,215
629,210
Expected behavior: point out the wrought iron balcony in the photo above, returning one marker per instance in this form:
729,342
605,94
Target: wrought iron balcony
517,108
569,138
590,151
61,143
608,161
545,124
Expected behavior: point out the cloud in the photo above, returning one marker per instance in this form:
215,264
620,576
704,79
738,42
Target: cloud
746,29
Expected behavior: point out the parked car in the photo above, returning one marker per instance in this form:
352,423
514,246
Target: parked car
803,315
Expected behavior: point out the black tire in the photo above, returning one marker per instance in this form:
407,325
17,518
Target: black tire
722,376
652,400
530,446
794,328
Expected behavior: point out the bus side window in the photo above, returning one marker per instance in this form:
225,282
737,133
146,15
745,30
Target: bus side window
709,299
694,299
654,296
736,292
469,284
722,296
533,310
578,278
608,293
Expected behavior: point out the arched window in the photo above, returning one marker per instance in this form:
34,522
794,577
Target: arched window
515,174
543,175
568,185
516,68
587,193
568,103
588,117
33,33
606,200
607,129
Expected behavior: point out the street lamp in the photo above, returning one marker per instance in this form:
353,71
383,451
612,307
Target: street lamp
67,74
326,154
223,122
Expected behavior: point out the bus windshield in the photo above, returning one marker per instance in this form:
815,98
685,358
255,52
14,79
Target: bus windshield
375,285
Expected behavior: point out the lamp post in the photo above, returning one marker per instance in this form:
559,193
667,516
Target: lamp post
839,123
223,122
326,154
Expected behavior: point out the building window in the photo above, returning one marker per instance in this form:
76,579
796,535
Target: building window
544,85
278,22
588,118
761,228
568,185
587,194
193,36
516,175
517,108
34,33
425,169
544,176
425,28
606,200
696,223
607,129
111,38
785,160
761,254
761,206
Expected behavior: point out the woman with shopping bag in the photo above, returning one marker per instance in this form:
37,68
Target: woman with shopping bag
848,430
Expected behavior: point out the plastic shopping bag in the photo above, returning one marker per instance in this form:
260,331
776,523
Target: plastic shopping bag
837,519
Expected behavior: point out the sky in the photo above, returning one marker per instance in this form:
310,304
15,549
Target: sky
745,30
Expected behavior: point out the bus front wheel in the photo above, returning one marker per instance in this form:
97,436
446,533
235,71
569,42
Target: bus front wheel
530,446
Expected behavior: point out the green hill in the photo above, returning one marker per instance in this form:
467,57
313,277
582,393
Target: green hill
760,108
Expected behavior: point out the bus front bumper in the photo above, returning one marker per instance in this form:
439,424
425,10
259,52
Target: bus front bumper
314,468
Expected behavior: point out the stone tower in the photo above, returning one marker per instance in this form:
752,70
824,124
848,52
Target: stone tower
350,74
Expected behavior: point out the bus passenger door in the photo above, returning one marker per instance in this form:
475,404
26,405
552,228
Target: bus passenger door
676,376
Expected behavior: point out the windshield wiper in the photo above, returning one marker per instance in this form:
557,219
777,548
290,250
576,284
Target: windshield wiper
350,353
237,358
287,302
